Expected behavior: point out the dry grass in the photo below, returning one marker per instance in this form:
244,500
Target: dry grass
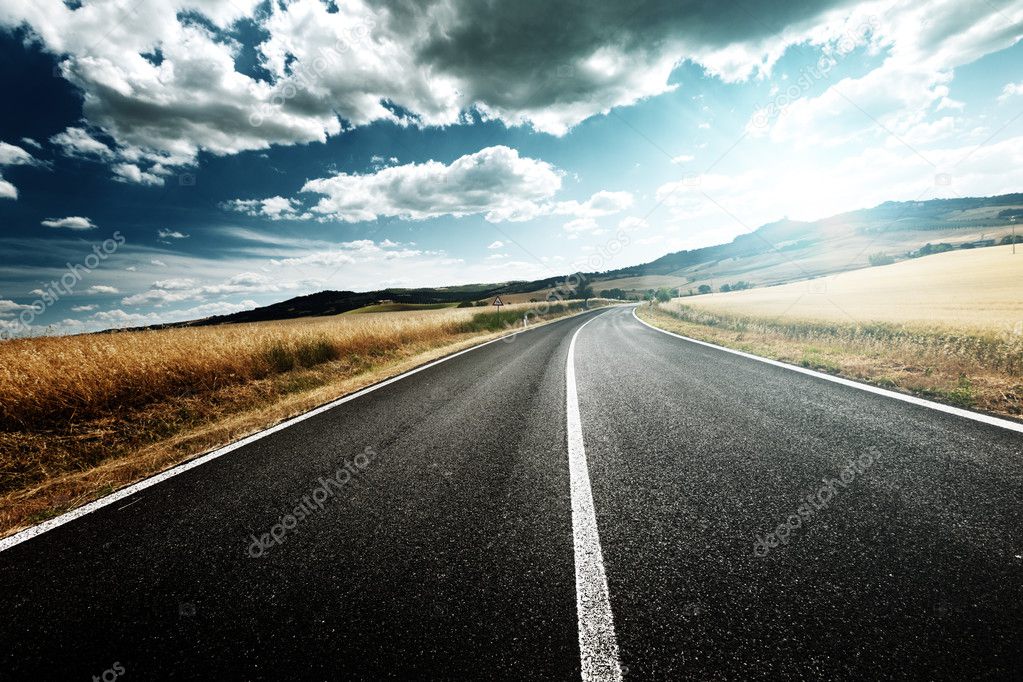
964,367
84,415
979,289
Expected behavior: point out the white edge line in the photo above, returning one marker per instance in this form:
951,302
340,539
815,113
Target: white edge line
959,412
598,645
66,517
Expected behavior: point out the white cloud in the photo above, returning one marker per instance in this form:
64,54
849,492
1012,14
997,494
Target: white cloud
77,142
118,317
923,43
349,253
13,155
8,308
158,263
131,173
71,223
682,158
600,204
494,181
496,245
82,308
177,289
180,284
274,208
7,190
171,234
103,289
1011,90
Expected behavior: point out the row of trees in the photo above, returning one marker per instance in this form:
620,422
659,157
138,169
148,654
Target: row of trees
882,258
616,293
726,287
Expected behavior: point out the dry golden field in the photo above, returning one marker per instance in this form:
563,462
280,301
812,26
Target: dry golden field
981,289
947,327
84,415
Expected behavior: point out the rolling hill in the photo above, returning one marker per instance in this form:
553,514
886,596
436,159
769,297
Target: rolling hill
775,253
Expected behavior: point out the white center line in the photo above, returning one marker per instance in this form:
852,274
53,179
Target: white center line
598,646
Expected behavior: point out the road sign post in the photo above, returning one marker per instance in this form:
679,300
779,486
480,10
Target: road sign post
498,302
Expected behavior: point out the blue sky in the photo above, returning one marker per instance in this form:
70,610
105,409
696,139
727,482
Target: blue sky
229,154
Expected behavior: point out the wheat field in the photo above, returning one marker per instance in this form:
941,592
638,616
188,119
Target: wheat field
980,289
55,379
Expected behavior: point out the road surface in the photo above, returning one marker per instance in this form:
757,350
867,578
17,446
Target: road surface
697,518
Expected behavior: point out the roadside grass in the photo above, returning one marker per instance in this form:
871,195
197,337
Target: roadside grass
84,415
506,319
963,367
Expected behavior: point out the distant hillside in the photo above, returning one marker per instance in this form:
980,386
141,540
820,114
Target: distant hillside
777,252
913,219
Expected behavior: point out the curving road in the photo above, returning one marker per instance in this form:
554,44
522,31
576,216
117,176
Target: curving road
699,516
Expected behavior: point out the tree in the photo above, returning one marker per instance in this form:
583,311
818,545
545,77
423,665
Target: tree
584,291
663,295
880,258
704,289
725,288
466,304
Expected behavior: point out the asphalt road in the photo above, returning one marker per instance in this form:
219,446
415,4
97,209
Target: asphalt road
434,533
